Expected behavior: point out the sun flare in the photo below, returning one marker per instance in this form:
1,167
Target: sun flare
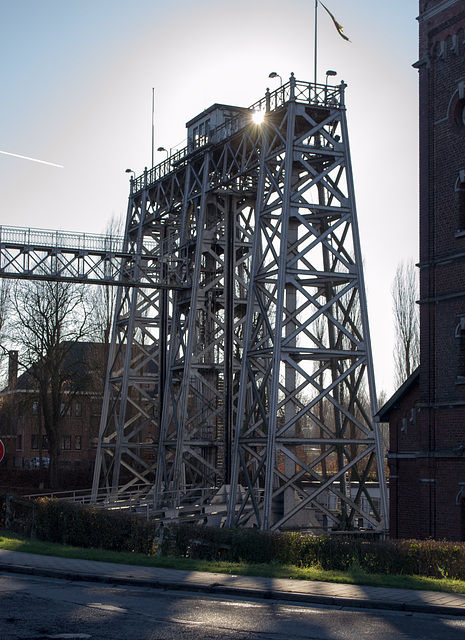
258,117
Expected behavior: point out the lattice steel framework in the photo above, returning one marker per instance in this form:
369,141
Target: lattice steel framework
305,445
254,371
84,258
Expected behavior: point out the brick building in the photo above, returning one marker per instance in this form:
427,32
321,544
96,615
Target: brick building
427,460
20,414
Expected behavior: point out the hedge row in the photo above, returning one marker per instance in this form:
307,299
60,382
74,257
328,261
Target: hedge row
74,524
92,527
408,557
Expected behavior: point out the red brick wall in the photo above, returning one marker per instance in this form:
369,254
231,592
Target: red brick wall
404,439
424,487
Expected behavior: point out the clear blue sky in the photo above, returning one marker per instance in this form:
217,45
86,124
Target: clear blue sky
77,82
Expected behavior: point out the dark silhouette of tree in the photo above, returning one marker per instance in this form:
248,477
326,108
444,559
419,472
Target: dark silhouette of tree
50,319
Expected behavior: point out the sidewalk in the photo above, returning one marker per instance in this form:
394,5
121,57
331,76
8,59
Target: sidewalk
339,595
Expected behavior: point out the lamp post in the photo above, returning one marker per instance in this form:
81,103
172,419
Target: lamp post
329,74
165,150
273,74
133,173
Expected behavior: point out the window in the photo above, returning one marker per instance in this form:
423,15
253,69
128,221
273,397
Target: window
403,428
35,408
96,407
460,335
65,409
34,441
78,442
19,441
44,443
66,443
460,195
78,409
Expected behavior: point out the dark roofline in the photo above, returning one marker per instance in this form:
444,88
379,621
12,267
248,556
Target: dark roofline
384,412
26,380
217,105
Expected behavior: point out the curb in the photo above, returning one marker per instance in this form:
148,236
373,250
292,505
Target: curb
334,601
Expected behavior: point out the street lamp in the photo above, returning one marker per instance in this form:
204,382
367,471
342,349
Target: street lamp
273,74
133,173
165,150
330,73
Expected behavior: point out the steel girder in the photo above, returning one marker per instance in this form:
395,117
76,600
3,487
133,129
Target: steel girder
168,403
205,348
182,347
255,369
132,404
306,450
64,256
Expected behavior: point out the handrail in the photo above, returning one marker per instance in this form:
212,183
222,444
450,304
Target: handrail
321,95
74,241
25,236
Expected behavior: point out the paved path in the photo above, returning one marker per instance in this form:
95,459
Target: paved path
272,588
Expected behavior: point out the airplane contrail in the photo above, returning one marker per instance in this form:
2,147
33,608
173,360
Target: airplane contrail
16,155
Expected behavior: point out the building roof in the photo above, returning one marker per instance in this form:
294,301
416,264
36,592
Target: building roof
385,411
214,107
78,362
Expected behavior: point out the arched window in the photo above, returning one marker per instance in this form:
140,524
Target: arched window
460,336
460,193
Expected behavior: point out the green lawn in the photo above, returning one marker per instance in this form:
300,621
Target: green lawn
354,576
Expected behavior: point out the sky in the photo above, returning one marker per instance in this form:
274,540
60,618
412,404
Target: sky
77,80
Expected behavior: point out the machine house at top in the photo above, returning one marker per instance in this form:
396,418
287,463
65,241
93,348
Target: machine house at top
221,117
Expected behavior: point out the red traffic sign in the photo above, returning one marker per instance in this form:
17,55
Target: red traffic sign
2,450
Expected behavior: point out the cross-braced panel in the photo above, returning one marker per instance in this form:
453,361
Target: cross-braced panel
306,451
205,349
254,370
132,405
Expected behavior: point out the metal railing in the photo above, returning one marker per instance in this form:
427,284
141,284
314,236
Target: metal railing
59,239
321,95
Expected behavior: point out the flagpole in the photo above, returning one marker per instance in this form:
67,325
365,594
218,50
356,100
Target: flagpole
153,125
315,55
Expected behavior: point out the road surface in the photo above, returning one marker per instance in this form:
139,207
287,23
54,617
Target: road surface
33,608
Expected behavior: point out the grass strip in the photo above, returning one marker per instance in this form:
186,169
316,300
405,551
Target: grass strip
13,542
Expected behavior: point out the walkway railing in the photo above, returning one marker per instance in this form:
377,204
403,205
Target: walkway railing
59,239
321,95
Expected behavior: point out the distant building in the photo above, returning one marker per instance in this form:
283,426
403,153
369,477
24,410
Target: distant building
427,415
20,413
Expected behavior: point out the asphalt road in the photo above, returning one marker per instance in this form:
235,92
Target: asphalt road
33,608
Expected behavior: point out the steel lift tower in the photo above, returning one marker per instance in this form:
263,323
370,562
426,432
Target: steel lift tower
240,372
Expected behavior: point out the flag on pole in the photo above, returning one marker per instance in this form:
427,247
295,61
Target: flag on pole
336,23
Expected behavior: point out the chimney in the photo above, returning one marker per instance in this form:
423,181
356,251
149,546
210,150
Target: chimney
12,368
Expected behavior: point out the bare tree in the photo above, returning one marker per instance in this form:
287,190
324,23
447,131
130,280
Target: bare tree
103,295
103,303
4,302
4,311
50,318
406,321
